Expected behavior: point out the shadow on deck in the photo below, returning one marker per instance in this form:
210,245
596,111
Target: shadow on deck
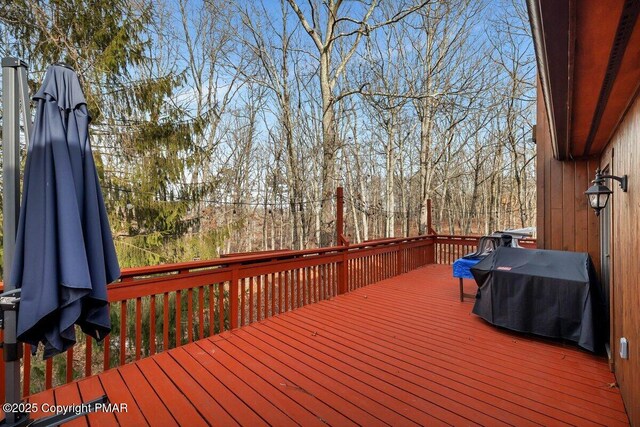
403,351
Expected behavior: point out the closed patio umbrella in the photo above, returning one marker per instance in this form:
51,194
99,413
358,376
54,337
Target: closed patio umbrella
64,254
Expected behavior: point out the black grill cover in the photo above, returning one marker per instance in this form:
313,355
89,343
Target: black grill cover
550,293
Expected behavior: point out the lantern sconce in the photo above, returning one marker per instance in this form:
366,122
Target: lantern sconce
598,194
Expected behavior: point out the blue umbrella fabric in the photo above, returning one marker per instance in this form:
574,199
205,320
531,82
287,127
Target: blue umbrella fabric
64,248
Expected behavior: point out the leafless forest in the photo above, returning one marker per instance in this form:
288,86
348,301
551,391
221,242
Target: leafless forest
226,126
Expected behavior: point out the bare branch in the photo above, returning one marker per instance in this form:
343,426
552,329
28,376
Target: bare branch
312,32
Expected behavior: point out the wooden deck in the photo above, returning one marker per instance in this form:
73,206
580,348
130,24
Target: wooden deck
403,351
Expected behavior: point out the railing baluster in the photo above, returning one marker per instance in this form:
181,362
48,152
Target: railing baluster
353,271
251,303
288,281
106,343
178,325
234,287
88,356
316,277
329,276
331,282
259,301
212,309
48,373
123,332
279,293
201,312
26,383
190,315
389,271
333,278
385,270
152,325
272,294
221,307
305,284
242,285
363,267
300,288
165,322
138,327
69,367
310,279
324,279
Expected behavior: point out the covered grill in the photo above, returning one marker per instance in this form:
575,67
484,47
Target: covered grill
549,293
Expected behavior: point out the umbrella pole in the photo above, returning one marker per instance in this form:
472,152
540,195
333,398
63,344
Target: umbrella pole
14,84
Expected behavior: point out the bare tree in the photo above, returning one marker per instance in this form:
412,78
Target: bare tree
442,73
274,59
341,25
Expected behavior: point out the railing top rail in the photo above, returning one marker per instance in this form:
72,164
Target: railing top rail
129,273
472,237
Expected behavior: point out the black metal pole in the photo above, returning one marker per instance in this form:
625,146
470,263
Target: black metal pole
11,93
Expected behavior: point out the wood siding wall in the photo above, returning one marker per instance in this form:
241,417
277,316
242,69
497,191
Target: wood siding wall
622,155
564,219
566,222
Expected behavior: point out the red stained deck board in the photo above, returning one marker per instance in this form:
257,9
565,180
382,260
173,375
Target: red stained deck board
152,408
118,392
255,380
67,398
210,410
266,370
234,406
90,389
177,403
403,351
380,404
261,405
462,358
408,399
440,391
448,324
46,397
444,324
306,381
473,381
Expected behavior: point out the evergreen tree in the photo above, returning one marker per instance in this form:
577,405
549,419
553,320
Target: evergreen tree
141,147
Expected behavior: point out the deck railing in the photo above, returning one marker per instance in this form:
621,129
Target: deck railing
175,304
172,305
449,248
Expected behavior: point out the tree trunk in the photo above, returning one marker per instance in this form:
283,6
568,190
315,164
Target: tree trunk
329,154
390,165
425,166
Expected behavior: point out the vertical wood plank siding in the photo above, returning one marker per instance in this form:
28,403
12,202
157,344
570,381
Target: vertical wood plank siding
623,157
564,219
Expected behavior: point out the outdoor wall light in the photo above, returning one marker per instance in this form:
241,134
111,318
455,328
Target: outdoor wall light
598,194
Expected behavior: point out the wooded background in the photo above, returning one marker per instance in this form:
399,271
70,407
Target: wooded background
226,126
